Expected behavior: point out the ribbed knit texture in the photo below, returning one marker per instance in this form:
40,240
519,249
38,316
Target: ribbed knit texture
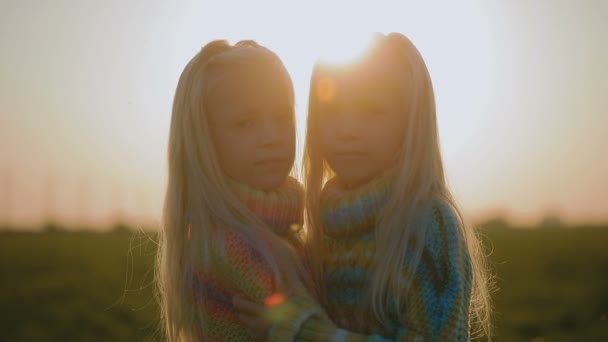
437,306
281,209
238,268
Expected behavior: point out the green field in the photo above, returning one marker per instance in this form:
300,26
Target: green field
59,286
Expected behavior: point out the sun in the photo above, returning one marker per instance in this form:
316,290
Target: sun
343,49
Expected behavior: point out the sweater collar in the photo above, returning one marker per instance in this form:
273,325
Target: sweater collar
281,209
349,213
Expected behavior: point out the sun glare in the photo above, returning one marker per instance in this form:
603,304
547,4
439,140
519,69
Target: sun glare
343,49
326,89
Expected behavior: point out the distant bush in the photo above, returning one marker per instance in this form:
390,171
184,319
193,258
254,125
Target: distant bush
52,227
121,228
550,221
497,222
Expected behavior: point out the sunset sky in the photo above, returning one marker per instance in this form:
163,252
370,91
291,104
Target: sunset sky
86,90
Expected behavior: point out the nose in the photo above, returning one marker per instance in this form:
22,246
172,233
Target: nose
271,132
347,125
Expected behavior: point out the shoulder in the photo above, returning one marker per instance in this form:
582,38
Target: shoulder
444,214
445,254
444,230
443,221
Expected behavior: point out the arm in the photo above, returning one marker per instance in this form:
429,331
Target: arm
445,271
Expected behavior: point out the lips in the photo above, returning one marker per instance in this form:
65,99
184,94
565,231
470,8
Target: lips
349,156
349,153
272,161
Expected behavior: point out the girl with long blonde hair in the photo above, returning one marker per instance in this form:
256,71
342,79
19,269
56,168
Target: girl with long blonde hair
231,209
390,253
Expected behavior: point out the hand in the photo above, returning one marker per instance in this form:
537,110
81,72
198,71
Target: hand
277,319
259,318
255,318
293,284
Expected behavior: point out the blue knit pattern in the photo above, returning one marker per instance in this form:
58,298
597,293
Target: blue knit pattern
437,306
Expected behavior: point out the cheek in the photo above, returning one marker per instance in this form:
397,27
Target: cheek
290,137
324,138
387,144
393,143
230,153
226,159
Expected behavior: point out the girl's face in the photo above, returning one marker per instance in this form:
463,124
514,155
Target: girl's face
361,128
251,114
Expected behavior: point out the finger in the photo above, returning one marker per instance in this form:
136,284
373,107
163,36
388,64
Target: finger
251,322
247,307
306,278
290,279
296,286
256,327
283,282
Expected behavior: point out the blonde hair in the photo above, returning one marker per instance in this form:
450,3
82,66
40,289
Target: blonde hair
419,184
198,200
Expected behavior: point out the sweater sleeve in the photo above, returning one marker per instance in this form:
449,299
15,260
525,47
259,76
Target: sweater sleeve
236,269
439,310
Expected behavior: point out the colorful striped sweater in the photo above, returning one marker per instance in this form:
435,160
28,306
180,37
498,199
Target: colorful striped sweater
238,268
437,306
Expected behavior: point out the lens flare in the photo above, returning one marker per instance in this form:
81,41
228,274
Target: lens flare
344,49
295,227
274,300
326,89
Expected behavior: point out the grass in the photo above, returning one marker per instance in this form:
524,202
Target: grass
553,284
60,286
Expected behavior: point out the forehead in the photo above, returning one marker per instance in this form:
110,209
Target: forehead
236,79
368,77
256,86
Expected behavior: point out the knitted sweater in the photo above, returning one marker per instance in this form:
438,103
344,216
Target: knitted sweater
238,268
437,306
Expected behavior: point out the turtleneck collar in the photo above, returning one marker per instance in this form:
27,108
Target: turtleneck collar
280,209
349,213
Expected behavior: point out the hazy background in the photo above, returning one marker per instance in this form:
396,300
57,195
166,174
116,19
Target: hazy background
86,89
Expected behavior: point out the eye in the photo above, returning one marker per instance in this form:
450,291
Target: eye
284,115
329,109
372,108
244,123
284,118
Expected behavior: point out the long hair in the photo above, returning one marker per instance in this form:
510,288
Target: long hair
198,200
420,182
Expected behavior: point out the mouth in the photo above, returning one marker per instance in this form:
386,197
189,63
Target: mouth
349,156
272,162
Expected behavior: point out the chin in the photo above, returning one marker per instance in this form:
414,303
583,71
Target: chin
354,180
270,183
